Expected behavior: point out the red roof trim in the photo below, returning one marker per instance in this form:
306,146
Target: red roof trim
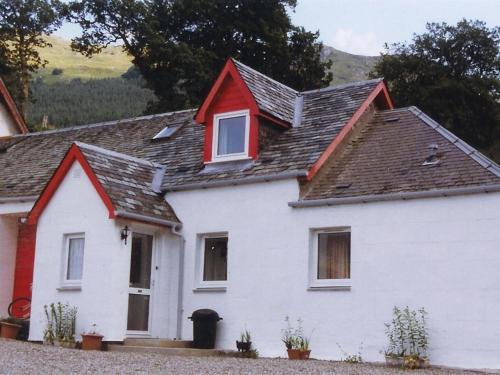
74,154
381,92
231,70
12,108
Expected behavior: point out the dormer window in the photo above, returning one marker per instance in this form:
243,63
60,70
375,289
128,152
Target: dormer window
230,139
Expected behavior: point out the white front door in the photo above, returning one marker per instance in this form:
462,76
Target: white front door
140,285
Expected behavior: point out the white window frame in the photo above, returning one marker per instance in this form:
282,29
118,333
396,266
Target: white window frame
215,137
200,284
65,283
314,282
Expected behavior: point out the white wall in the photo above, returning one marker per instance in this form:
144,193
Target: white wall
442,254
8,249
7,126
103,298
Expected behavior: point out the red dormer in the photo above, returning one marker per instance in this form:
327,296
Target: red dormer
240,102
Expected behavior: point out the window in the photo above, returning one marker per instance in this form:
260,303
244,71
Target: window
167,131
331,258
73,260
231,136
213,261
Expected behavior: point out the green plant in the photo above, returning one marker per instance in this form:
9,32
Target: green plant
245,336
407,333
61,320
351,358
294,338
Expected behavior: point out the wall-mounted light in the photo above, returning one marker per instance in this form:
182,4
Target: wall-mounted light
124,233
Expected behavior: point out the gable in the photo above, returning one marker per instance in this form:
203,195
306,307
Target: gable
74,155
11,121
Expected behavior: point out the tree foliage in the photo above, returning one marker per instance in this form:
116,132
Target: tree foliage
23,23
452,72
180,45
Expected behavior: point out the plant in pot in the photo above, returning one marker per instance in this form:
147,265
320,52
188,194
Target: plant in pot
245,343
296,344
9,328
92,340
408,338
61,321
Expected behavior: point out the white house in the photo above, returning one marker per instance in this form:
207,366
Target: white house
329,205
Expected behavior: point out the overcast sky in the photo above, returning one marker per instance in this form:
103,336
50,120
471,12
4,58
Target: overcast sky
363,26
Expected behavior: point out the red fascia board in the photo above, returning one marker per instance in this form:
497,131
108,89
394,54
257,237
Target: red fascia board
380,89
12,108
74,154
229,69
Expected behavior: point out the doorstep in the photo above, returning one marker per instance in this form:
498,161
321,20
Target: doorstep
168,347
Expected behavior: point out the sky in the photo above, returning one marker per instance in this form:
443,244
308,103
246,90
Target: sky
363,26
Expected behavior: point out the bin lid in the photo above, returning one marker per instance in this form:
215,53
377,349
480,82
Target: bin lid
205,314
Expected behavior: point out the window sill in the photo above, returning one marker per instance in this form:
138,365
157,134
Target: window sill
210,289
334,284
217,160
69,288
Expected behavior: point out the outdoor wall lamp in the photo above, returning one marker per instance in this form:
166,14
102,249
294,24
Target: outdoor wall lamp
124,233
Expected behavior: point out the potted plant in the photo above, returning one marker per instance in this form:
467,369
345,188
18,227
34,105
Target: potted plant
296,344
60,329
245,343
92,340
9,329
407,336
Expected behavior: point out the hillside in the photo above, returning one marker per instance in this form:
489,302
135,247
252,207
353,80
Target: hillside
347,67
75,90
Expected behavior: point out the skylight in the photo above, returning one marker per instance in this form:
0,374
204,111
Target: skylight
167,131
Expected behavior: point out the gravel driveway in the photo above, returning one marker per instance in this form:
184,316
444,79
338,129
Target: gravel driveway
24,358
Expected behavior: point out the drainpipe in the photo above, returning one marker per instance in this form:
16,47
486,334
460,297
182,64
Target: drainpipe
180,293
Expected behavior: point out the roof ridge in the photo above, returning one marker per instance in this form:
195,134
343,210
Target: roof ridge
265,75
115,154
98,124
341,86
470,151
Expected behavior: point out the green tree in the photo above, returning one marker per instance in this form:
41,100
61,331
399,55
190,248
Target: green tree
23,23
453,74
180,45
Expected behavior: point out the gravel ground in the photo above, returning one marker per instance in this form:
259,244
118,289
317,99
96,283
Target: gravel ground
24,358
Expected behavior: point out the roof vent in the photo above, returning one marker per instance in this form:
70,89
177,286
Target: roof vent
433,158
391,119
343,185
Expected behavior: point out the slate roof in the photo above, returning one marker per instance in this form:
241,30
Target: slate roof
271,96
26,166
388,156
128,182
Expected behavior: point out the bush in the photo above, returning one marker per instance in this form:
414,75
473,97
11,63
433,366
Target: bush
407,333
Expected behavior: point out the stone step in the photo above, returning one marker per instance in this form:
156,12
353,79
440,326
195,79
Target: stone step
184,352
162,343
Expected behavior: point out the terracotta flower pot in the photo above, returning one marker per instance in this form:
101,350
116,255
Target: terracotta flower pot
91,342
304,354
294,354
9,330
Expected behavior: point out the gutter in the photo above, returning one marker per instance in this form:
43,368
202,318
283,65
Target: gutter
148,219
22,199
396,196
236,181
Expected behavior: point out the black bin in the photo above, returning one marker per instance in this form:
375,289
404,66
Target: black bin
204,328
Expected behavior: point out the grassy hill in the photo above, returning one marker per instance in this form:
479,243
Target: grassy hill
110,63
74,90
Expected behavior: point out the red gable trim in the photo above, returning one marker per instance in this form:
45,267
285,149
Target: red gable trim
380,93
73,154
12,108
229,69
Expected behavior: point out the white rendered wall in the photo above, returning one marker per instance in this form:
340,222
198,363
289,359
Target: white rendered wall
7,126
8,249
442,254
103,298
